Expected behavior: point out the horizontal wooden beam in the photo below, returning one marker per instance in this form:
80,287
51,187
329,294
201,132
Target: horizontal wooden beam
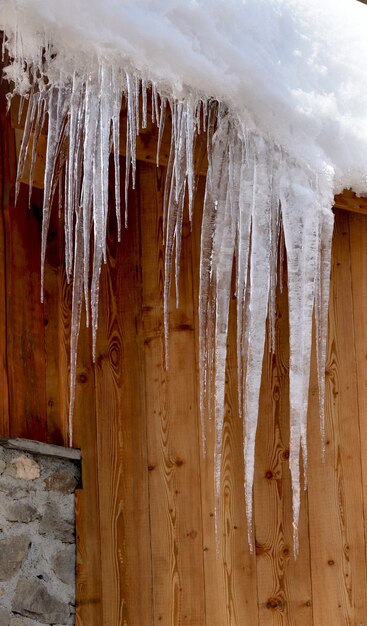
37,447
349,201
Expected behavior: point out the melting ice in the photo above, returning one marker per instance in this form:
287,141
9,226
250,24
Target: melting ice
271,173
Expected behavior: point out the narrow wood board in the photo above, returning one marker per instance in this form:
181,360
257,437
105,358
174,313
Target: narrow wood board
335,495
172,424
7,162
121,428
358,250
89,597
230,575
284,583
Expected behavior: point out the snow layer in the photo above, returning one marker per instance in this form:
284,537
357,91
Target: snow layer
280,88
294,68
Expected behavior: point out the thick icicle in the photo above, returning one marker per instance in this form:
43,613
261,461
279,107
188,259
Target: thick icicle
300,213
321,308
257,308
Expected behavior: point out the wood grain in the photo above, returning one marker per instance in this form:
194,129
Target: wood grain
284,584
172,426
25,321
145,516
358,267
121,428
89,597
230,579
6,181
338,562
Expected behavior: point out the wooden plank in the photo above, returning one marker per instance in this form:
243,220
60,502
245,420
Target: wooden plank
46,449
172,425
57,312
358,250
25,315
89,600
121,429
7,161
284,584
350,202
338,562
230,580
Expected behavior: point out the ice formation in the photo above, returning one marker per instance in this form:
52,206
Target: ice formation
279,88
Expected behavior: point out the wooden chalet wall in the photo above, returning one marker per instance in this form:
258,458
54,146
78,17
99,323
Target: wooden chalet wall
145,523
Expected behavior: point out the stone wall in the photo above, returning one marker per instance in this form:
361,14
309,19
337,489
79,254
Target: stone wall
37,533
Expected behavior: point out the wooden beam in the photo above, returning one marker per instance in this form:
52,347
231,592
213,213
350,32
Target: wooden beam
349,201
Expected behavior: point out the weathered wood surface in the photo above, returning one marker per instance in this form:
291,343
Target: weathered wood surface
145,514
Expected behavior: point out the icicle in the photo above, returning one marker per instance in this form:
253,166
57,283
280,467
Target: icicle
162,120
321,308
256,313
116,106
300,211
190,134
144,98
130,141
106,114
90,142
32,106
242,255
223,250
57,108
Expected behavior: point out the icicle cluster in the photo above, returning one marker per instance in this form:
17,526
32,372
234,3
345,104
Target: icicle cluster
256,195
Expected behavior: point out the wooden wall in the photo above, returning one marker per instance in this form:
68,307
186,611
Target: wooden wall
145,517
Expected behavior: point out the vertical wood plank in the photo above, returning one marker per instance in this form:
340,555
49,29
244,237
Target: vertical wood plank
121,431
7,176
230,580
89,600
57,312
172,425
338,562
25,321
284,584
358,250
24,316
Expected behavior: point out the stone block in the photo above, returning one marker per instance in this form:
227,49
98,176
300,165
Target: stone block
63,564
24,468
13,551
2,465
62,480
32,599
21,512
54,523
4,617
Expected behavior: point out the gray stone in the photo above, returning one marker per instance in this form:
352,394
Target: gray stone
21,512
18,493
24,468
55,524
63,564
32,599
4,617
23,621
62,481
13,551
2,465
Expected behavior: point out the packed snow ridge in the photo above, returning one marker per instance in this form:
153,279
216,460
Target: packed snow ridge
279,88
